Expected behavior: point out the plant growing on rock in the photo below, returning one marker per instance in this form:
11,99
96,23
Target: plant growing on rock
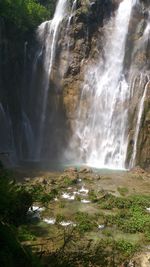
85,222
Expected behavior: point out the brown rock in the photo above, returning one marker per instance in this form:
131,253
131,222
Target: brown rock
138,170
71,169
85,170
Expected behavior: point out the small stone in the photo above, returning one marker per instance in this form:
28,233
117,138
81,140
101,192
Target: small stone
101,226
27,179
44,181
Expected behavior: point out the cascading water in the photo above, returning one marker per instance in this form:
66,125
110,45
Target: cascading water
27,134
146,35
48,35
6,135
74,5
138,123
5,131
71,14
143,42
100,137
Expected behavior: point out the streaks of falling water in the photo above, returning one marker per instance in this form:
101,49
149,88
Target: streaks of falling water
74,5
48,34
7,144
143,43
28,134
101,129
138,123
4,145
146,35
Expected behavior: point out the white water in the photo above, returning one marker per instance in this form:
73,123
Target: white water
142,43
100,137
138,123
74,5
146,34
48,35
71,14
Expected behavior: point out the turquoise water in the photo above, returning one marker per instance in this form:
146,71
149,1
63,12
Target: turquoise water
61,166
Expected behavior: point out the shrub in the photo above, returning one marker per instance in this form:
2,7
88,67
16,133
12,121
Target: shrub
23,14
14,201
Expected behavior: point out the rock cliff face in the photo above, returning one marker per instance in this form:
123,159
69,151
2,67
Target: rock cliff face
82,45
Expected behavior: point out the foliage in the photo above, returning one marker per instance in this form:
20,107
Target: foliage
110,201
123,190
49,4
14,200
107,252
24,234
67,181
131,216
40,195
12,253
14,204
93,196
127,214
84,222
25,14
60,218
125,247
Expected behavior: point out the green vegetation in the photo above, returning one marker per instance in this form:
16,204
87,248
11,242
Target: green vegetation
25,234
14,200
39,194
85,222
127,215
12,253
123,190
92,196
68,182
26,14
125,224
130,213
126,248
14,204
106,252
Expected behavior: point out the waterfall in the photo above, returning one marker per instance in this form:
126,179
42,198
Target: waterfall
146,34
73,8
101,128
28,134
143,42
25,63
71,14
138,123
48,35
5,130
7,144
